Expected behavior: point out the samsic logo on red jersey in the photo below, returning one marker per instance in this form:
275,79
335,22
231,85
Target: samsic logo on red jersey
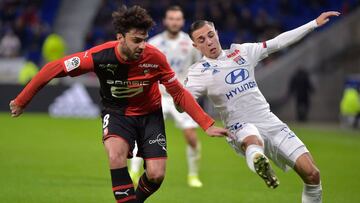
234,53
128,83
148,65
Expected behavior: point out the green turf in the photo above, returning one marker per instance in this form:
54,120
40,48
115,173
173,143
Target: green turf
62,160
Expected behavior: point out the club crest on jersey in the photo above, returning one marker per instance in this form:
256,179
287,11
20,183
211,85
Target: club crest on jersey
239,60
72,63
237,76
146,71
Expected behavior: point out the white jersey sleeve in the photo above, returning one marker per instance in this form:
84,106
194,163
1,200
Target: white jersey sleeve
255,51
258,51
290,37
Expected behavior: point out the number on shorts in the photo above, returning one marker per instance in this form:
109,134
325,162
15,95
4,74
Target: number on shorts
106,120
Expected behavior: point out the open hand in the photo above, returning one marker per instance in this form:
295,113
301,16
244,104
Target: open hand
214,131
15,109
324,17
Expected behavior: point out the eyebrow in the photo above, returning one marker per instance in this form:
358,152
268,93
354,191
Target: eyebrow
201,36
142,38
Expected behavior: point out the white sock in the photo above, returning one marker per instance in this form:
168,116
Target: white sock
193,158
135,164
250,153
312,193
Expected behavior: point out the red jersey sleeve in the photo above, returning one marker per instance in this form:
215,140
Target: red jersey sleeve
182,97
73,65
78,63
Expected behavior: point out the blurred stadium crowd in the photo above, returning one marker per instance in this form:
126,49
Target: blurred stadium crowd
236,20
24,24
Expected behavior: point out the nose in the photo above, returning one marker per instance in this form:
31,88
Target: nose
142,45
209,42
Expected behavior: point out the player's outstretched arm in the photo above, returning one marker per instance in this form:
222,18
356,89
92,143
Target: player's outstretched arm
70,65
186,101
49,71
290,37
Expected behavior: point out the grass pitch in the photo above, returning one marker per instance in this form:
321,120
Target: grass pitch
47,160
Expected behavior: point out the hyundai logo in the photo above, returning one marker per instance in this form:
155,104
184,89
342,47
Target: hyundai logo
237,76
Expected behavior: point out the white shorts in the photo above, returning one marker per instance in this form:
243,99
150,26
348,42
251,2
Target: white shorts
283,147
182,120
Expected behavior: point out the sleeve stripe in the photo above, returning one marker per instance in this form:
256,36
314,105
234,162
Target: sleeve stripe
264,45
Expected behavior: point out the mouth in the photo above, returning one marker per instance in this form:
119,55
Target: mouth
213,50
138,53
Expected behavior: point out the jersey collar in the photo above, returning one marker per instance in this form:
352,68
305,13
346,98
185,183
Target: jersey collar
222,55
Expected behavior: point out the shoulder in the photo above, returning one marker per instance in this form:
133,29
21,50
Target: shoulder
254,45
185,36
156,39
246,48
198,67
153,54
151,50
106,45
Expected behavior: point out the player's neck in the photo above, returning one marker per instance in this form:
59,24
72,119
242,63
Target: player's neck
121,54
172,35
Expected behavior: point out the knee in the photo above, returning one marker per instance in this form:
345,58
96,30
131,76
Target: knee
117,158
155,176
251,140
313,177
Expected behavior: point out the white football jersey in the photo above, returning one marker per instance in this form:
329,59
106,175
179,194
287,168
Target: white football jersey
179,52
229,82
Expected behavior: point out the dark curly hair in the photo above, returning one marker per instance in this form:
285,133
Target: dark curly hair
125,19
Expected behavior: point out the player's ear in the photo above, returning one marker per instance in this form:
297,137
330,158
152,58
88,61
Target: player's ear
119,36
194,45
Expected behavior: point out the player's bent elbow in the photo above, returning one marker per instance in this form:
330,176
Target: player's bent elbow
179,109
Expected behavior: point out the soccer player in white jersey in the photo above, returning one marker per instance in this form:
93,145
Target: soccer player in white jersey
227,78
178,49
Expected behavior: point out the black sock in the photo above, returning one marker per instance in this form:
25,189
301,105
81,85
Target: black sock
122,185
145,188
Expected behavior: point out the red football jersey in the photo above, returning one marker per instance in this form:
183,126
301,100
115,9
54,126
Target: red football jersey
130,88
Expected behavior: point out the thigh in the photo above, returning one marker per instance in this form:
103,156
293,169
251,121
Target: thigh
152,140
284,148
241,132
117,150
119,126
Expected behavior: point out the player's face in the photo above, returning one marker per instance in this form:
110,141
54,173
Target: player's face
174,21
133,43
206,40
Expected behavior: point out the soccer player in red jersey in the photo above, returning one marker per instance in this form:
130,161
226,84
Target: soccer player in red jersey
129,71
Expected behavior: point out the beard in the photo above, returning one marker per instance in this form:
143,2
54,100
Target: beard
173,31
130,55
